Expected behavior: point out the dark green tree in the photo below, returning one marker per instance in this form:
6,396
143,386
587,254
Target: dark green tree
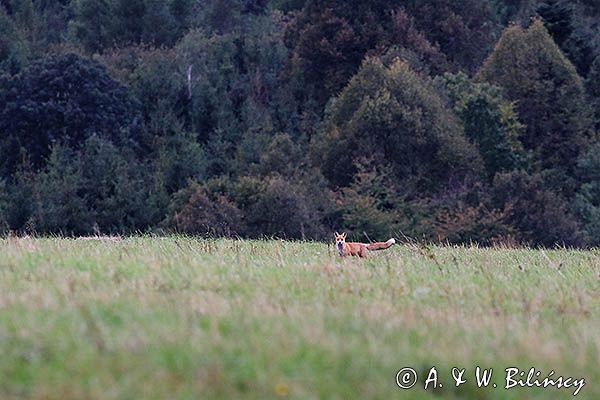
330,38
197,211
587,200
371,203
14,51
395,115
465,31
28,30
279,207
550,99
592,85
293,207
20,204
91,23
117,189
96,189
59,195
489,120
233,92
101,25
539,215
563,20
63,99
508,11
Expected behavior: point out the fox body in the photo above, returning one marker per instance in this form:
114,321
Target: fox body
358,249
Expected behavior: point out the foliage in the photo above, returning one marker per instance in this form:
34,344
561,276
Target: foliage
510,11
593,90
257,207
464,30
19,204
13,52
4,204
63,99
116,189
194,212
292,118
393,113
565,22
550,98
100,25
330,38
541,216
29,29
489,120
587,201
277,207
60,204
372,205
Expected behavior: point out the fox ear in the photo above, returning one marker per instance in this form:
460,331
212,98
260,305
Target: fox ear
344,235
336,234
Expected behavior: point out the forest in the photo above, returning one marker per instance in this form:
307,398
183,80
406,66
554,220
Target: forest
453,121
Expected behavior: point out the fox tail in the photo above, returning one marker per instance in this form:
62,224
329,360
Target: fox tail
381,245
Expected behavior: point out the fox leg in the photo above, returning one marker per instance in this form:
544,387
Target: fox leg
363,252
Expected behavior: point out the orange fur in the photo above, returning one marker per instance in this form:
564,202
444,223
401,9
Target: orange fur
358,249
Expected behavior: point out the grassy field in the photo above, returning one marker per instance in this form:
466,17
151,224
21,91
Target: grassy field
180,318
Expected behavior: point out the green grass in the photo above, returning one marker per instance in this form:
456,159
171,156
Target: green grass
180,318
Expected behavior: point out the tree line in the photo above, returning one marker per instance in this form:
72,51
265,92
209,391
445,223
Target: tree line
443,120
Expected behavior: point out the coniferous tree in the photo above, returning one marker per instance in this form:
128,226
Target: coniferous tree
587,201
564,22
593,89
13,52
59,195
550,99
490,121
90,26
464,30
104,24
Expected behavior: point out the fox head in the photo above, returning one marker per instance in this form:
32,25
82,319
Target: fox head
340,240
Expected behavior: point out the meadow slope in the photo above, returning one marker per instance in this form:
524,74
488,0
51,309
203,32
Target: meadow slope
183,318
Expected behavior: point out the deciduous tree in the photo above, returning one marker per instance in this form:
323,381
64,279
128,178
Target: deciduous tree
395,114
63,99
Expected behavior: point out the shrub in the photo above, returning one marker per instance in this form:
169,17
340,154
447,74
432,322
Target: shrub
283,209
463,213
587,200
194,212
540,216
295,207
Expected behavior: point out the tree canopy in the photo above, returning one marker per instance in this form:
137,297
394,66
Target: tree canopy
392,113
443,120
61,99
550,96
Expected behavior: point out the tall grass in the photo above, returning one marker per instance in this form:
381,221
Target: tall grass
181,318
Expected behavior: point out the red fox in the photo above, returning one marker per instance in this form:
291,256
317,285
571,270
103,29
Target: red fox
358,249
